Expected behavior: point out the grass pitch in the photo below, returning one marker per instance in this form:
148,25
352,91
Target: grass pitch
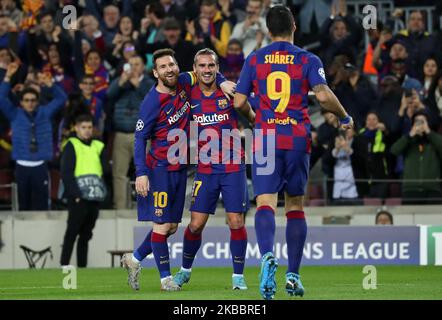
321,282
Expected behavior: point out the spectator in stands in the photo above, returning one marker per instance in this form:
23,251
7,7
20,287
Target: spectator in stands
339,34
376,135
231,65
422,150
9,8
83,158
348,160
383,52
109,20
399,70
419,43
126,94
93,104
183,48
388,104
75,106
410,104
93,65
210,29
7,56
89,35
151,29
430,69
252,32
58,69
344,186
43,35
434,101
121,56
355,92
383,217
11,37
174,10
31,139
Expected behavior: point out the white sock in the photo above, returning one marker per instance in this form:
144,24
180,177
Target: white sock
237,275
186,270
135,259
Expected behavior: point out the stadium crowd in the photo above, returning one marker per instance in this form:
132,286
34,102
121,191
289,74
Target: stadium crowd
102,65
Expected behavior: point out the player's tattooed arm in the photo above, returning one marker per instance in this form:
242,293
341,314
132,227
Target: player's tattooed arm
329,101
243,106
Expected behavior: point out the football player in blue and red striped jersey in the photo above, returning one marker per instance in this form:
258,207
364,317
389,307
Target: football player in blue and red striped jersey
280,75
161,176
220,170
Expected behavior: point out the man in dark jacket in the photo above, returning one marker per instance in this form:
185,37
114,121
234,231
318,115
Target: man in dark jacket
422,150
420,45
31,139
82,164
126,94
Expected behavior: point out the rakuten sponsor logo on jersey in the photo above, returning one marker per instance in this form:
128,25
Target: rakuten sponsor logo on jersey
205,119
173,119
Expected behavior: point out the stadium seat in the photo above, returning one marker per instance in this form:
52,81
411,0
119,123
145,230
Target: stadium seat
372,202
395,190
393,201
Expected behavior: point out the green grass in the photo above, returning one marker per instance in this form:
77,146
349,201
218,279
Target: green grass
324,282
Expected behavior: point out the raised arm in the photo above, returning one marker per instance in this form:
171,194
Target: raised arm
6,106
59,96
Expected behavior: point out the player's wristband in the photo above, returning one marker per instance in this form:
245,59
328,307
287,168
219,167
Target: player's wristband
346,120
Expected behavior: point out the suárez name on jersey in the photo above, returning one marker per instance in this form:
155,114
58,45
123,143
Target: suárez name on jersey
179,113
279,58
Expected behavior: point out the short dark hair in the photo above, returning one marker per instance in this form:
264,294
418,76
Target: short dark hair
93,51
419,113
388,214
280,21
209,3
157,9
84,117
43,14
206,52
87,76
235,41
162,53
29,90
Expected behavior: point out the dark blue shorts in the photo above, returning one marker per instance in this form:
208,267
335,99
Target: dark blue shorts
207,188
289,174
165,200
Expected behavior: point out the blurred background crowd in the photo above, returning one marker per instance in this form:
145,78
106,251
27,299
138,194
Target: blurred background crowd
389,79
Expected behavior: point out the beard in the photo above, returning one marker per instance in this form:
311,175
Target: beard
170,83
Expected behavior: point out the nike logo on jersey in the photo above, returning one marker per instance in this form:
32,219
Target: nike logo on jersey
194,106
170,110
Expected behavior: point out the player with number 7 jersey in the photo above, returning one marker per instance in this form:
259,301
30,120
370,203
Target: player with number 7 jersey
280,75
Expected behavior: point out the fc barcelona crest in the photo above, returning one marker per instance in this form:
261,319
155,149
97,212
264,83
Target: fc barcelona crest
183,95
222,103
158,212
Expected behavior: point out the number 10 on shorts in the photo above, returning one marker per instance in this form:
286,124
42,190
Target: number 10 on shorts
159,199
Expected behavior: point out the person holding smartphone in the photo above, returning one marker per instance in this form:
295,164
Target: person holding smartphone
422,151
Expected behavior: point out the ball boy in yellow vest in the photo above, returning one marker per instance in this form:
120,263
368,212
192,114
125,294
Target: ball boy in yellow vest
82,164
